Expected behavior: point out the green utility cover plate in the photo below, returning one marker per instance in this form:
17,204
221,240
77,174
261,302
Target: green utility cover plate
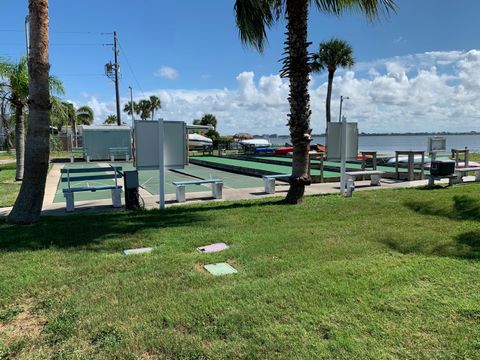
220,269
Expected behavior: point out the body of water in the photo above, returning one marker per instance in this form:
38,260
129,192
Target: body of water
388,144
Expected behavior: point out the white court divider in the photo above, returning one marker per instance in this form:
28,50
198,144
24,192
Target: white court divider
342,145
175,147
161,144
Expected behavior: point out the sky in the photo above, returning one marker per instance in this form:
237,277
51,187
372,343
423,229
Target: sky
416,70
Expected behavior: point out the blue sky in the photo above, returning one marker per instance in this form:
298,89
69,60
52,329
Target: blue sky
189,53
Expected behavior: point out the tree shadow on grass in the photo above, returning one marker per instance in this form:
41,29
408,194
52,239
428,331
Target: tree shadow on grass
92,231
463,246
463,208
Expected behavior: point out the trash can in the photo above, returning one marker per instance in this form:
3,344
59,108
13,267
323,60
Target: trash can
442,167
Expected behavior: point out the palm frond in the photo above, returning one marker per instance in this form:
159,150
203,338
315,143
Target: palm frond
371,8
56,85
254,17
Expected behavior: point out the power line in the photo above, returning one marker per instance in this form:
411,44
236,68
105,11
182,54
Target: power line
131,70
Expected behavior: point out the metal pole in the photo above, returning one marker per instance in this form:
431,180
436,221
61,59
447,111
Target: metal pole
340,114
117,91
343,156
27,21
161,162
133,127
131,104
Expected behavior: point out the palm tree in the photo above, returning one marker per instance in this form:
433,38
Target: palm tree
18,82
332,54
84,115
253,17
209,119
17,75
143,109
28,205
129,109
155,104
110,120
5,117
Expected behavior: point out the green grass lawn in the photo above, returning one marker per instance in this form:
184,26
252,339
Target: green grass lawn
8,187
387,274
7,156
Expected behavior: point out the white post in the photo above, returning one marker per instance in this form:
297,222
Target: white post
161,162
343,156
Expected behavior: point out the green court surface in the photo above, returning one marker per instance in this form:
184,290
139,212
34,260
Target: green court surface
350,165
230,180
279,169
149,180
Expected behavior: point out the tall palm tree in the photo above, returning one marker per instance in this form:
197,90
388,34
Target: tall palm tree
143,109
18,82
17,76
332,54
5,117
130,108
28,205
253,17
155,104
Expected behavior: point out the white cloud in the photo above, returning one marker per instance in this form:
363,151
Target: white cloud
434,91
167,72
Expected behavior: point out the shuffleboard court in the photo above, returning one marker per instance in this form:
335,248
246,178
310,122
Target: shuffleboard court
278,169
335,164
149,180
84,195
230,180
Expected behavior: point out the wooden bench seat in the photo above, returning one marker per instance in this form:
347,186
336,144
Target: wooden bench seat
109,173
217,186
269,182
375,175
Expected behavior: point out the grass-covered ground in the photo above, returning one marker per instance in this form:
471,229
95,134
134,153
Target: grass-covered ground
8,187
386,274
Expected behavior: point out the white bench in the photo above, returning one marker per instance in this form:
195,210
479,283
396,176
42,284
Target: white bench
217,186
461,172
375,175
77,152
119,151
109,173
269,182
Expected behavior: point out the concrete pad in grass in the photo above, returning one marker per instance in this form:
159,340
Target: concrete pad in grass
137,251
213,248
219,269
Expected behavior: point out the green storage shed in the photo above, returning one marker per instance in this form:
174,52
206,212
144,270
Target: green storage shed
99,139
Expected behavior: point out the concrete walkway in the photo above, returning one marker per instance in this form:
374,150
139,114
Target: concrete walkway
151,201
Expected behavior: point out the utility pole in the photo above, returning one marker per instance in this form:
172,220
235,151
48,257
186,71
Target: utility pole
117,66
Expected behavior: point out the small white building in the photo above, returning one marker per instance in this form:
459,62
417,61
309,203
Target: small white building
99,139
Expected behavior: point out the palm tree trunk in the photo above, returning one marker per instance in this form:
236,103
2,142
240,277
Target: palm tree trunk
299,99
28,206
329,96
19,141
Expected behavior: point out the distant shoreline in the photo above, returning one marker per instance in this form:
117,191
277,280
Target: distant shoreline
383,134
